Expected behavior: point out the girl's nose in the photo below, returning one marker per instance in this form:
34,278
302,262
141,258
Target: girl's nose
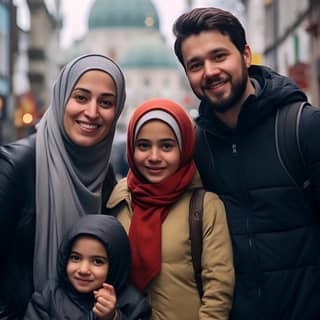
154,154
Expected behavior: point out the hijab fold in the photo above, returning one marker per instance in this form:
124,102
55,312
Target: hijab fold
69,177
151,202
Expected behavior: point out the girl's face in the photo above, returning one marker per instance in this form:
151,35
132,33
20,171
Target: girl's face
87,266
90,110
156,151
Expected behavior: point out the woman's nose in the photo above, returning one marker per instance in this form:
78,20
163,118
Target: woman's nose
91,109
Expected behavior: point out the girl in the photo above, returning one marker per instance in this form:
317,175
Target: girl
152,203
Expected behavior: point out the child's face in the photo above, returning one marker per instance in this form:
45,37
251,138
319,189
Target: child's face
156,151
87,266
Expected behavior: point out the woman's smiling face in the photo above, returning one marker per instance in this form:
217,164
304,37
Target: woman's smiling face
90,110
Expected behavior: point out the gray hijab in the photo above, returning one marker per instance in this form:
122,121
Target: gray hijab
69,178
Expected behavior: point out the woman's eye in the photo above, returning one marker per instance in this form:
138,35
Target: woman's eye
80,98
107,103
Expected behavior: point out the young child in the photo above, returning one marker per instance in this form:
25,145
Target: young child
152,203
93,266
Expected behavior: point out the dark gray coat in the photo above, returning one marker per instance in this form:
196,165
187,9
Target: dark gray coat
59,300
17,224
275,230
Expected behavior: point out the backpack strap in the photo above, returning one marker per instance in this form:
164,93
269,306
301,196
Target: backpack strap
288,143
195,230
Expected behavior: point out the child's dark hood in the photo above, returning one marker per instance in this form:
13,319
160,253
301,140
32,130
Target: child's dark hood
110,232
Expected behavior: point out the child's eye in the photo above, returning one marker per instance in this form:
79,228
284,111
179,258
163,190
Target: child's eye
167,146
142,145
99,261
74,257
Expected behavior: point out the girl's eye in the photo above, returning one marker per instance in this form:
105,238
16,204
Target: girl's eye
142,145
167,146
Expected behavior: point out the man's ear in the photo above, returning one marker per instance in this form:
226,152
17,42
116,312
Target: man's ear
247,55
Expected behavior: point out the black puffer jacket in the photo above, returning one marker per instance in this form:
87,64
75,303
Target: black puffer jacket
17,224
61,301
275,231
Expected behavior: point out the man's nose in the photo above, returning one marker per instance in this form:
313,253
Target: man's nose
211,69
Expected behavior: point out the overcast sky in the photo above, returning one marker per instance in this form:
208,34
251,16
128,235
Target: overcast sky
168,10
75,13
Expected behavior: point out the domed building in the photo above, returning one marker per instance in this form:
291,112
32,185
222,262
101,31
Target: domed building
128,32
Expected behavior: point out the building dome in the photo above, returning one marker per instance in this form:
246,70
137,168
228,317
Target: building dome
123,14
149,53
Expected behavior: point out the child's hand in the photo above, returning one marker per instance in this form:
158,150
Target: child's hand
105,306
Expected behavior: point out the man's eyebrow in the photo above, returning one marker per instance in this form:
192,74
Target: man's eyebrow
211,52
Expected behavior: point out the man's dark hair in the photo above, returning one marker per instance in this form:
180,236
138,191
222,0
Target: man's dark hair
207,19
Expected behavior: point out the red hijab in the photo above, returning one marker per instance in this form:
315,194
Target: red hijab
151,201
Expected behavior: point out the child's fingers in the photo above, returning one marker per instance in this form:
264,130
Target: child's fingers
106,290
106,298
109,288
104,307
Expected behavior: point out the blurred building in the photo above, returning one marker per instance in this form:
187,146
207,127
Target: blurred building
128,32
42,51
281,37
284,34
313,29
8,47
30,57
255,29
25,110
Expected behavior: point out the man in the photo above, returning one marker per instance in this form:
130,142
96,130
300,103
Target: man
275,230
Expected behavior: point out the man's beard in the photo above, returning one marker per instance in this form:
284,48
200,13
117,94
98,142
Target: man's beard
238,89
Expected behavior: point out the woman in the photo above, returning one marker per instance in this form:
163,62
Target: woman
50,179
92,273
153,206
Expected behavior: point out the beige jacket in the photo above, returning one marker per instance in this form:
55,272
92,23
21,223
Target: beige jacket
173,294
